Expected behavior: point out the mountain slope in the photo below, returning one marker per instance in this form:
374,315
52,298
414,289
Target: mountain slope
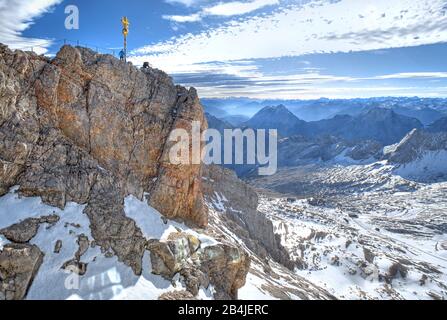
379,124
382,125
420,156
87,190
438,126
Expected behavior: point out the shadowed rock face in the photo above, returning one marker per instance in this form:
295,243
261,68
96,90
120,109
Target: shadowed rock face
90,129
19,264
241,214
416,144
24,231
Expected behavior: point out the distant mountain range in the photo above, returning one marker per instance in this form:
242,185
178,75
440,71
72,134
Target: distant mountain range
426,110
379,124
344,139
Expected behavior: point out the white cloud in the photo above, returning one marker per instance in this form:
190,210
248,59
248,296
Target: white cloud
321,26
181,19
234,8
18,15
238,7
316,92
413,75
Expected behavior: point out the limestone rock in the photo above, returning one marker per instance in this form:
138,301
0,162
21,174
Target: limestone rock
227,267
83,244
64,120
58,246
19,264
170,257
88,128
241,214
76,265
176,296
224,266
26,230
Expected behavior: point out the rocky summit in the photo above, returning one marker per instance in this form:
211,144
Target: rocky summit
72,125
89,130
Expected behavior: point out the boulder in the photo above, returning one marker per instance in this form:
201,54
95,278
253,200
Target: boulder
26,230
19,264
224,266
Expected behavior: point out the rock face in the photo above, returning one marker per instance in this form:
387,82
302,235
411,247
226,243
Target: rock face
421,156
65,119
19,264
415,145
241,215
91,129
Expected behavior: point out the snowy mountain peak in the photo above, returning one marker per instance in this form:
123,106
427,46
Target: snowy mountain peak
277,117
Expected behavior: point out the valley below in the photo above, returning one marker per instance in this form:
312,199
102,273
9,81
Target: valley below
360,231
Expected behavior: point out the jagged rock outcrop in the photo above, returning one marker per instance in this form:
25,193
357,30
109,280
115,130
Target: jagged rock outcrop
91,129
241,214
81,112
25,230
19,264
224,266
415,145
420,156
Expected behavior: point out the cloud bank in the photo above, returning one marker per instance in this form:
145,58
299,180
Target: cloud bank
322,26
18,15
222,9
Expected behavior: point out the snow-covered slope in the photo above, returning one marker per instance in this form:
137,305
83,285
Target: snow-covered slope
420,156
365,231
363,257
105,277
430,166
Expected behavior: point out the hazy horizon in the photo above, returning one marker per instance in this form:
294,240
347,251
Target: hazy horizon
281,49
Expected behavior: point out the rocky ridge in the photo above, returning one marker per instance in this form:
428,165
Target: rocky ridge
89,129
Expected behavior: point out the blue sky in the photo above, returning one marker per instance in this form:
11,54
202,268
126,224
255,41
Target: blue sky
286,49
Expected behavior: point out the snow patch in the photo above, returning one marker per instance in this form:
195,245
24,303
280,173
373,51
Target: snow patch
3,242
155,226
253,289
106,278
